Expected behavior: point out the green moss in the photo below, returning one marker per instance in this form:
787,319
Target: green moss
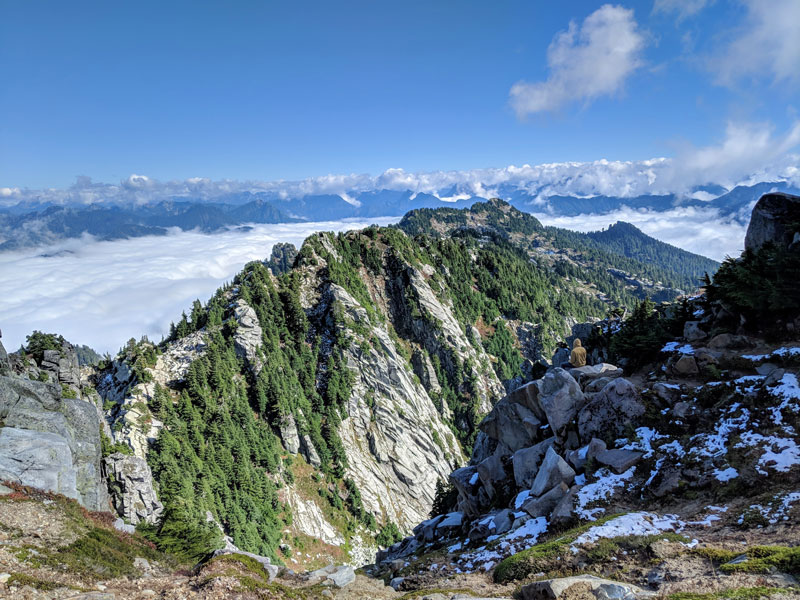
540,557
21,580
752,593
762,559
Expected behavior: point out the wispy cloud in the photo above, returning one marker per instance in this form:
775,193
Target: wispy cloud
683,8
103,293
586,62
766,46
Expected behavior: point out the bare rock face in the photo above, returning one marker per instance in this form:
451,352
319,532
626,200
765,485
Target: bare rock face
5,364
772,220
50,442
132,492
248,335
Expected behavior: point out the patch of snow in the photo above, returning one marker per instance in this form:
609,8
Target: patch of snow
726,474
780,454
532,528
779,353
645,436
607,482
580,479
678,347
638,523
474,479
521,498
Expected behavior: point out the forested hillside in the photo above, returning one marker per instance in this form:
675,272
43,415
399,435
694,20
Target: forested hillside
619,261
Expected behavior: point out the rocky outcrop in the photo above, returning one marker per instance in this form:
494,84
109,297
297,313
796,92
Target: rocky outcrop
607,415
131,484
50,442
307,518
774,219
247,338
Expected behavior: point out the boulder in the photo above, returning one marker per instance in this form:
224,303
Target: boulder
560,397
774,219
309,452
491,472
583,375
705,357
560,356
503,521
578,458
729,341
544,504
681,410
619,460
512,424
685,366
528,396
667,392
595,385
526,462
564,512
465,480
247,339
131,484
553,470
581,586
692,331
609,412
450,524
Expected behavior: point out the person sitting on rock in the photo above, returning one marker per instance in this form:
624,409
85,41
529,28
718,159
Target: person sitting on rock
578,356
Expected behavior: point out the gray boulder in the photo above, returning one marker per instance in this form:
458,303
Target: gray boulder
774,219
692,331
619,460
584,375
526,462
564,512
578,458
611,410
309,452
39,408
289,435
247,339
544,504
512,424
560,397
491,473
685,366
581,586
553,470
729,341
131,484
667,392
465,480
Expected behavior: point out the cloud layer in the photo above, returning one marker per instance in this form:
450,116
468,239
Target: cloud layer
697,230
585,62
748,152
103,293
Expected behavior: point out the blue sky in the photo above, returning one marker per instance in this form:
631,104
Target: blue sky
268,90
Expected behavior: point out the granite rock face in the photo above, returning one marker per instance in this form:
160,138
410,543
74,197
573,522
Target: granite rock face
51,442
771,221
615,405
247,339
131,483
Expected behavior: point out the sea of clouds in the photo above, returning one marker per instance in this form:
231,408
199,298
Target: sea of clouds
102,293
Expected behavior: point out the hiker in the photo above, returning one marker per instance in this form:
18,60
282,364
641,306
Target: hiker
578,356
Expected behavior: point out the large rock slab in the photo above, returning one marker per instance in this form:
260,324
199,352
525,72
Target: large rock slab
582,586
584,375
553,470
619,460
38,459
132,491
560,397
774,219
526,462
39,408
512,424
544,504
610,412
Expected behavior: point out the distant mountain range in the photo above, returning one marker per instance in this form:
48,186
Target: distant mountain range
34,224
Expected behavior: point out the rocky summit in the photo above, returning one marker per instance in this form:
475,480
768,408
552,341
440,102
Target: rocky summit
391,413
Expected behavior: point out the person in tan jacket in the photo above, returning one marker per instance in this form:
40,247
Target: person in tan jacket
578,356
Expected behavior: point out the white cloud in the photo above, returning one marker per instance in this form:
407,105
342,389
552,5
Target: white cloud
103,293
767,46
698,230
684,8
585,62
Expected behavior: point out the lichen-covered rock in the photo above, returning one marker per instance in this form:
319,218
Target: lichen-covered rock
68,427
131,484
610,411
